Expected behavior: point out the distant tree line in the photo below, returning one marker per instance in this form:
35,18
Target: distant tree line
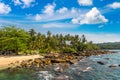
110,45
18,41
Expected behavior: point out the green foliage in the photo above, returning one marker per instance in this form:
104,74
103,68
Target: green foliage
14,39
68,50
31,42
114,45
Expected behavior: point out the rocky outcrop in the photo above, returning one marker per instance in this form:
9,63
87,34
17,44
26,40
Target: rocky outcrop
52,55
53,58
94,52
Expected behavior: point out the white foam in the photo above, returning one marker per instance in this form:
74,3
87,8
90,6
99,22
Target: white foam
87,69
45,75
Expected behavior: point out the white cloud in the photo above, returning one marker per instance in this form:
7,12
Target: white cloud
52,25
73,10
38,17
114,5
85,2
24,3
75,21
62,10
49,9
4,9
99,38
27,3
92,17
58,25
55,15
17,2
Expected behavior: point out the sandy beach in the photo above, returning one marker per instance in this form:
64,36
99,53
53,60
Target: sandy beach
5,61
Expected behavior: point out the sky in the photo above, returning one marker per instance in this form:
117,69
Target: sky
99,20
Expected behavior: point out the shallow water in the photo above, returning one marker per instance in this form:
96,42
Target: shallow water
87,69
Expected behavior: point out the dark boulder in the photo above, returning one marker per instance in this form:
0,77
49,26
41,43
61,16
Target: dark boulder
100,62
113,66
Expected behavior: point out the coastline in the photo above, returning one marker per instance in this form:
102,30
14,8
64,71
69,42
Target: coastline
37,61
7,61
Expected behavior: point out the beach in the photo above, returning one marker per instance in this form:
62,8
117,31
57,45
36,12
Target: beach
5,61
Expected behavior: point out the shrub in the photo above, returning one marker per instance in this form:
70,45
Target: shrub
68,50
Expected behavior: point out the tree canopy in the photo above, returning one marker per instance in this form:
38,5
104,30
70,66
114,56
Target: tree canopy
110,45
17,40
14,39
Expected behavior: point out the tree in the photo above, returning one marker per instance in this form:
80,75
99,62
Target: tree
16,39
83,39
32,43
48,33
13,39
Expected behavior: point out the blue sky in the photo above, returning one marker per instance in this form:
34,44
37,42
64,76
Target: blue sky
99,20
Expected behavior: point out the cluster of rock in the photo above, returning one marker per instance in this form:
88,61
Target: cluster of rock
110,65
53,58
94,52
49,59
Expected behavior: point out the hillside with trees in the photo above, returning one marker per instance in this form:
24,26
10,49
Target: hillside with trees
110,45
19,41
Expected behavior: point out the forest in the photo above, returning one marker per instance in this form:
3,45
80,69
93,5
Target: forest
110,45
19,41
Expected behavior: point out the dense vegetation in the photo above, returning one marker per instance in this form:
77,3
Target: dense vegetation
114,45
19,41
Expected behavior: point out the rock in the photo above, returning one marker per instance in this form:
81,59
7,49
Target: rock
113,65
46,61
58,61
72,61
58,69
65,65
101,63
37,60
108,58
37,65
52,55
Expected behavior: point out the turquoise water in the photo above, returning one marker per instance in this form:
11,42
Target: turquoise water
87,69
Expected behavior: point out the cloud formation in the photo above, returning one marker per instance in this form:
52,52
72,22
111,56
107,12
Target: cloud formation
24,3
57,25
92,17
50,14
4,9
49,9
38,17
62,10
17,2
99,38
114,5
85,2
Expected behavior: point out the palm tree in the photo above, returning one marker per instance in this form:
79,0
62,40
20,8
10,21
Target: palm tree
83,38
32,32
32,39
48,33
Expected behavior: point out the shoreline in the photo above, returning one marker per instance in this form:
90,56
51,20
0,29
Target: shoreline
38,61
7,61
